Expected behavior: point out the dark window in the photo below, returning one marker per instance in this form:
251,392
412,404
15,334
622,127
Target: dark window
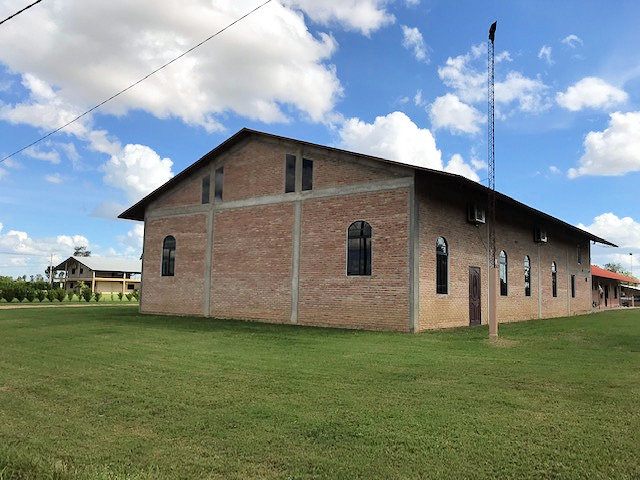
573,286
205,189
579,254
554,279
527,276
290,174
359,249
81,270
73,271
219,182
503,273
307,174
615,292
130,286
442,266
168,256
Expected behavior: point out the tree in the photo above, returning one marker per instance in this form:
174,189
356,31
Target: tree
617,268
81,251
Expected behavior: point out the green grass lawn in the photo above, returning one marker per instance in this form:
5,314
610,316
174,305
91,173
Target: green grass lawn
109,393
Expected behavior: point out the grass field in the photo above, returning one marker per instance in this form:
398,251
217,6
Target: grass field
108,393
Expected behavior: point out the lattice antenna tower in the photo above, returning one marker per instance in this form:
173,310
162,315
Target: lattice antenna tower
491,162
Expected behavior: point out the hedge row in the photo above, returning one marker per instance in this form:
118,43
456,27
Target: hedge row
22,291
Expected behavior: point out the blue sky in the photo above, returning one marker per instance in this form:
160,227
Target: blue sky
404,80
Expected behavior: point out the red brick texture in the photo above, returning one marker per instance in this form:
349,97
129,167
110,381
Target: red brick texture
328,296
182,293
446,215
252,263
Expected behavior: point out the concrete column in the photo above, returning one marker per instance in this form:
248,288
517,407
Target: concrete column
297,234
539,281
414,258
93,281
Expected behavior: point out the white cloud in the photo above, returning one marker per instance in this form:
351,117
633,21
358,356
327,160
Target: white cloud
365,16
614,151
457,165
449,112
394,137
47,110
412,3
572,40
48,156
137,170
412,40
530,94
54,178
545,53
278,65
553,169
418,100
591,92
466,75
133,240
3,173
624,232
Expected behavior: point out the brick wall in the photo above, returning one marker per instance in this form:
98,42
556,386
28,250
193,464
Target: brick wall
187,192
444,213
252,263
181,294
327,295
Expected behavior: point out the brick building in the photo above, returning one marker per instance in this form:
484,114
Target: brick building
609,288
273,229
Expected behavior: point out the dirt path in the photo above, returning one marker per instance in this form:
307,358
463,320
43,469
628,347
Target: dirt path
21,305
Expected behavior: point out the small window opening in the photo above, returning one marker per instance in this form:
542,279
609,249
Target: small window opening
554,279
307,174
503,273
290,174
205,189
219,182
527,276
168,256
359,249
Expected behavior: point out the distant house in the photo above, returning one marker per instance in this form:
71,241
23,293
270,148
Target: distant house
609,289
104,275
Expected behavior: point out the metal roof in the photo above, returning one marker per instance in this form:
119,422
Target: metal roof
596,271
136,212
106,264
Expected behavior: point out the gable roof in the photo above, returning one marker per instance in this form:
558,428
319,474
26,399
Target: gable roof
136,212
601,272
106,264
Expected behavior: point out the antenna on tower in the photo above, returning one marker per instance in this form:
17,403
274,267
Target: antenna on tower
491,164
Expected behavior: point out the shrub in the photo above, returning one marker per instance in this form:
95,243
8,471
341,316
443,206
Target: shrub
51,295
129,296
41,295
120,295
8,293
70,295
60,294
20,292
86,293
97,296
136,294
31,295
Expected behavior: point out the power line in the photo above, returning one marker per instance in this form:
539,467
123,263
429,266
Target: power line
19,12
136,82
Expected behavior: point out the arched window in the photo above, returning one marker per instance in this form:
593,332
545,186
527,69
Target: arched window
442,266
359,249
527,276
503,273
554,279
168,256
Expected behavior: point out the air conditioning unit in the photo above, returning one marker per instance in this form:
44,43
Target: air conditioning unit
476,214
540,236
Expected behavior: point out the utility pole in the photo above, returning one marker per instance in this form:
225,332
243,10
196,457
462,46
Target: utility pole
491,163
50,269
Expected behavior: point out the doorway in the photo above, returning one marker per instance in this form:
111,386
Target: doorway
475,310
